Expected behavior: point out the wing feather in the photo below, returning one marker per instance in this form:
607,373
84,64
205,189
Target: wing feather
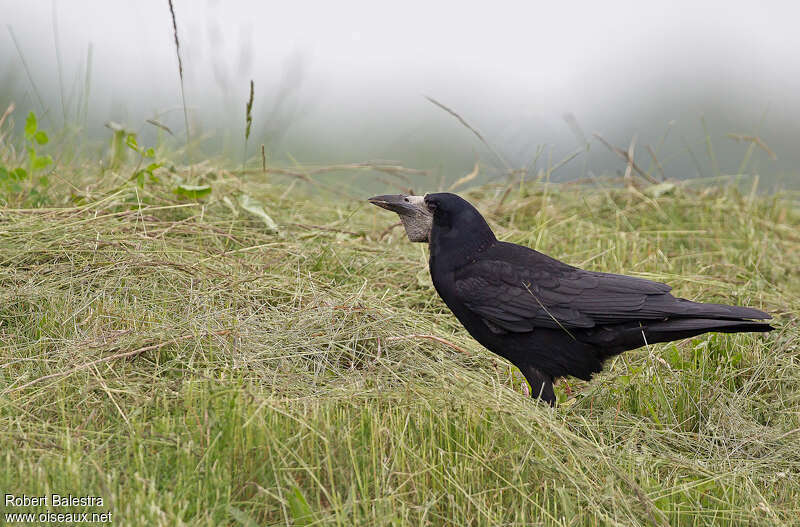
533,291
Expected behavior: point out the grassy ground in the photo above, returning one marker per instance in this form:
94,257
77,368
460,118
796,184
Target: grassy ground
189,366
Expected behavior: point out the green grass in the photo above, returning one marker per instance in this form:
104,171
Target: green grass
280,378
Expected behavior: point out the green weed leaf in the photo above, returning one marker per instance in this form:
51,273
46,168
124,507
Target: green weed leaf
130,140
41,137
30,126
19,174
242,517
193,191
299,509
40,162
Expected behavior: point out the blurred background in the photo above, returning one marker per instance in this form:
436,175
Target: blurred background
709,89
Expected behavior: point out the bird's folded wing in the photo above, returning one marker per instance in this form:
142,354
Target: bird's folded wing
519,298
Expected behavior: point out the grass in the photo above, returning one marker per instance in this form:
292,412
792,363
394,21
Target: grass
191,367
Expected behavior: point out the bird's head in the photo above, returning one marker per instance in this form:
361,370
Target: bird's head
416,217
455,218
449,210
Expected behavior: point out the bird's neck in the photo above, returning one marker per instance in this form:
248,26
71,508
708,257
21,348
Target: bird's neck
458,246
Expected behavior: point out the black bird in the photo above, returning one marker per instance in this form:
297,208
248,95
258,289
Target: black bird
548,318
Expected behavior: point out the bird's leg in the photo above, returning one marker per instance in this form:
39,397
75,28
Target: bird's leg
541,384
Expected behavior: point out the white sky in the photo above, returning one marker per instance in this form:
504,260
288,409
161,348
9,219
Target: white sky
375,59
550,48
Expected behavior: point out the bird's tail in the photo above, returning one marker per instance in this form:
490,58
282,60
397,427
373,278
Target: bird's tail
637,334
681,328
687,308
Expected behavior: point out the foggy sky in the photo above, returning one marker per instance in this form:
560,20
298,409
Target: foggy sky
344,81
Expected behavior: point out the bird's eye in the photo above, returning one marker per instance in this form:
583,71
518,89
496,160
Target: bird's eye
431,205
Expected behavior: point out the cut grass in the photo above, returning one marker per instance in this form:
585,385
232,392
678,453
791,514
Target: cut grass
263,385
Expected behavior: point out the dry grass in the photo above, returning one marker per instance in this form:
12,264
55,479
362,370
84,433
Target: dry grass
190,367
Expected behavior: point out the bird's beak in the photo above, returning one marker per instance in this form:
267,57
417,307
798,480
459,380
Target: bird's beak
399,203
415,216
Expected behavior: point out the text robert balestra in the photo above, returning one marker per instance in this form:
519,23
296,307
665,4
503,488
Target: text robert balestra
53,500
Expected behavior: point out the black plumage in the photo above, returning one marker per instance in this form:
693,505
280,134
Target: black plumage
551,319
